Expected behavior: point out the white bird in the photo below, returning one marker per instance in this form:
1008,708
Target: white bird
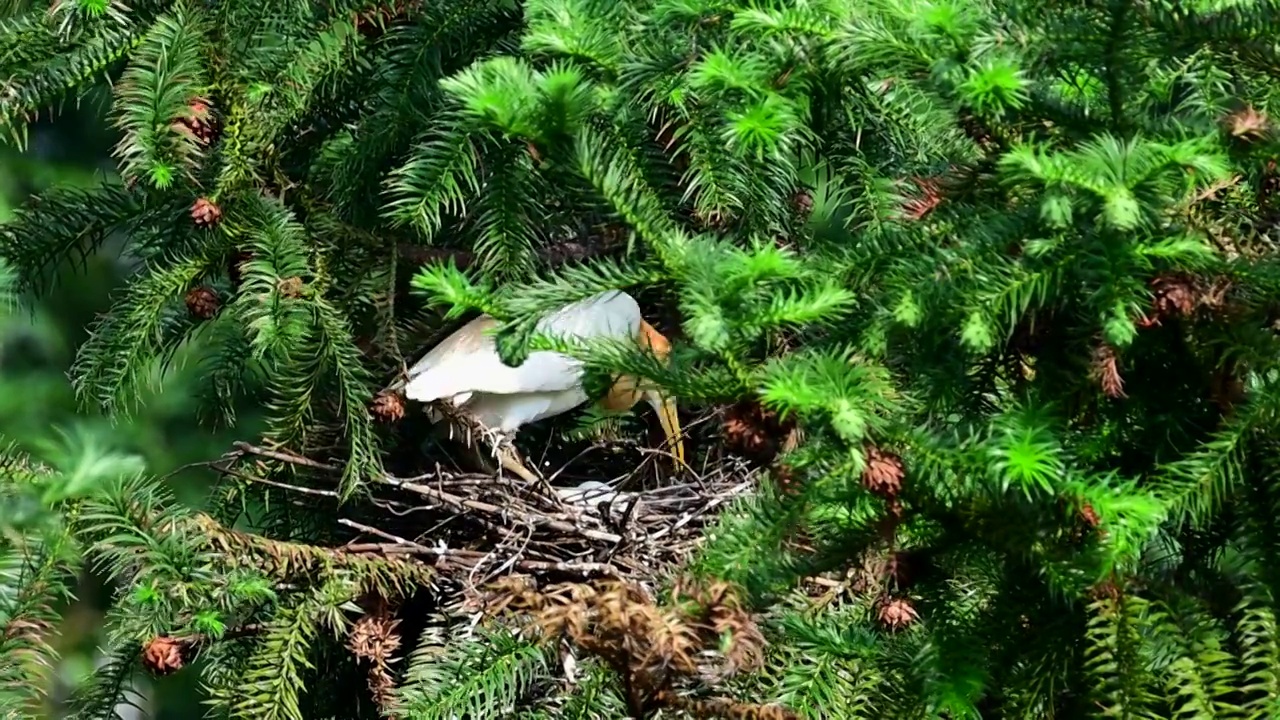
466,371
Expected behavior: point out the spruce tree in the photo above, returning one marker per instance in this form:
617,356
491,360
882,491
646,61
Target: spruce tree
987,286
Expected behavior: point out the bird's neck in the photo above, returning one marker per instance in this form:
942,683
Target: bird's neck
625,392
651,338
623,395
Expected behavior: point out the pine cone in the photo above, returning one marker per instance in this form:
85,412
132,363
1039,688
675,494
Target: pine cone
1180,295
163,655
1106,370
205,213
200,123
1248,124
744,428
754,431
203,302
978,132
290,287
388,407
883,473
1174,295
896,613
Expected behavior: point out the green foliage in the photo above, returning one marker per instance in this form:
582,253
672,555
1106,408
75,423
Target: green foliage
40,556
479,677
1025,249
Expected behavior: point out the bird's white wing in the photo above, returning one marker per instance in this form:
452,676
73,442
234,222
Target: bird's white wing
467,361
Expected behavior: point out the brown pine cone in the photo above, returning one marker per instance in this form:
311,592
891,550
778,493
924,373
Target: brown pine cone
744,428
1174,295
896,613
200,123
163,655
205,213
755,432
388,407
883,473
290,287
203,302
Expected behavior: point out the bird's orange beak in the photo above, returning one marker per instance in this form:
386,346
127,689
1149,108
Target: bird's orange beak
670,419
664,406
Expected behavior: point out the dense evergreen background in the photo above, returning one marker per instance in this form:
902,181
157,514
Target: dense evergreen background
979,294
39,413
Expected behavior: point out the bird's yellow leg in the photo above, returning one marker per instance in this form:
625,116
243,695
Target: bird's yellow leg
510,459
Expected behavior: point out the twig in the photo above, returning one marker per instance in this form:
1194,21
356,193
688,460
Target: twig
484,507
277,483
688,517
282,456
402,546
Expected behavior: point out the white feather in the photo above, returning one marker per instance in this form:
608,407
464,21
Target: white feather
465,368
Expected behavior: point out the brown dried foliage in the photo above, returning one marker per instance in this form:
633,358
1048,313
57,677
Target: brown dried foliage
703,635
1106,371
926,198
1248,124
373,22
1181,295
375,638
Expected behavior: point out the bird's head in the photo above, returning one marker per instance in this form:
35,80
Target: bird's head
628,391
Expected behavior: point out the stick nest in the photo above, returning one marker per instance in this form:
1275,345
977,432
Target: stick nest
475,528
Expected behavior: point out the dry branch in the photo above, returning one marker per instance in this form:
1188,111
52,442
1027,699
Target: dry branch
659,650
